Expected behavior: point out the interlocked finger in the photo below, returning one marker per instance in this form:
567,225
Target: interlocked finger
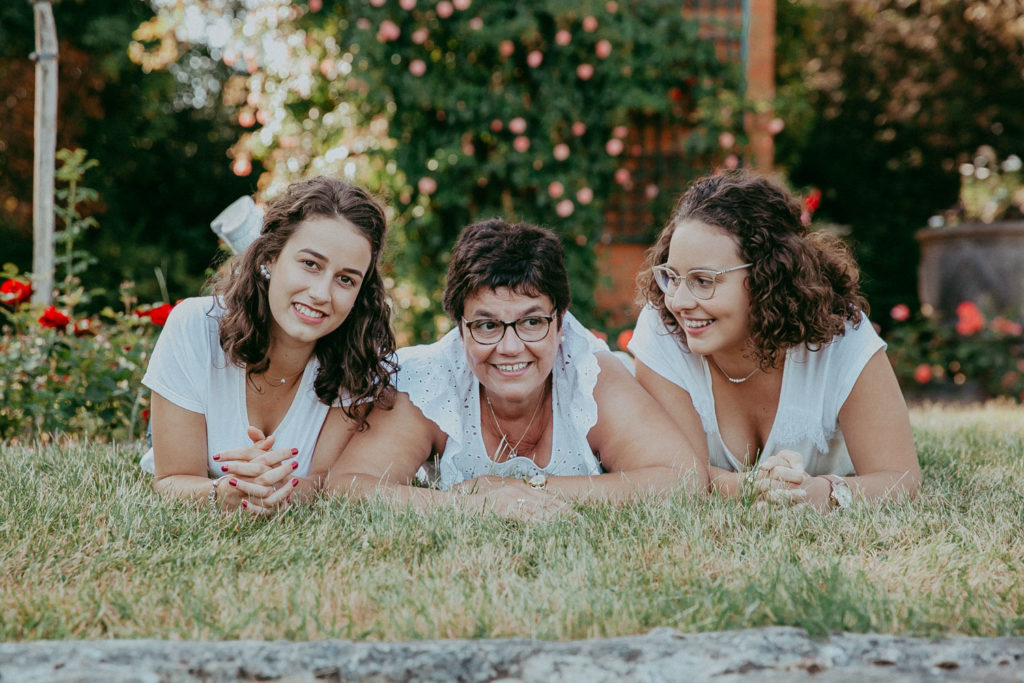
789,474
786,496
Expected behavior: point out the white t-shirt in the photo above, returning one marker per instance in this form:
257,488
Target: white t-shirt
815,385
441,384
189,369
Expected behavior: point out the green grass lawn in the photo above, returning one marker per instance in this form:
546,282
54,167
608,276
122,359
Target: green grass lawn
87,550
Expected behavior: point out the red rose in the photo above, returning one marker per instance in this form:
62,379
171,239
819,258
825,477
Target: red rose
969,319
159,314
623,339
813,200
923,373
14,292
51,317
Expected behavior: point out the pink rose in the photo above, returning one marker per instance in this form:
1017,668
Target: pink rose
427,185
900,312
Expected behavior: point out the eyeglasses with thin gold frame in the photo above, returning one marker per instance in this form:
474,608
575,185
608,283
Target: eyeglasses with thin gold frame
700,281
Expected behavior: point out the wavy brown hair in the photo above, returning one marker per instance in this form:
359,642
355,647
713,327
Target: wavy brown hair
355,359
803,286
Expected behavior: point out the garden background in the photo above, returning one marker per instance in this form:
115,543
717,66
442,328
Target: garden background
454,110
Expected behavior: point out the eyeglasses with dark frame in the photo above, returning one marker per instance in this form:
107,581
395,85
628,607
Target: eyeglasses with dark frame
700,281
530,328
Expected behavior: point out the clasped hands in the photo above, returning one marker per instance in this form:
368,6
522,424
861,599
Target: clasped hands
258,479
781,479
509,497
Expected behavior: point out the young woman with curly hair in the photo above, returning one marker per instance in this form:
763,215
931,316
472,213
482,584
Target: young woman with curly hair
261,385
756,340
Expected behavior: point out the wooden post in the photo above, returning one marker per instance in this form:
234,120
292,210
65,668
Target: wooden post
43,215
760,72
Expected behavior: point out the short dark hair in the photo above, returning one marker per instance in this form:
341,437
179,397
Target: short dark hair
804,285
355,359
523,258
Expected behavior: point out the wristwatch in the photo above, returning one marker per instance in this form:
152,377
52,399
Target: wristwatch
840,495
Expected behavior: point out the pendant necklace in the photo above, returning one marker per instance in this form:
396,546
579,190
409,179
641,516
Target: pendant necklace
505,446
734,380
274,383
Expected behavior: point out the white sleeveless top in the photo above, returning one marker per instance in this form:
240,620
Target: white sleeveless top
189,368
440,383
815,385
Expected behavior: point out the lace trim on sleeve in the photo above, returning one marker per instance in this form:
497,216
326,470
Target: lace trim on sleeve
429,373
577,369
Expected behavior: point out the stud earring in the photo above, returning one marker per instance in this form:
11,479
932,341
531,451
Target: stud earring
264,271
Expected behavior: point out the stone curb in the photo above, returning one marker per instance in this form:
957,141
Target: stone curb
764,654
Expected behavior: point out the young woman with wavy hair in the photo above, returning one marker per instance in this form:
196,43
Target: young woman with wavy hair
756,340
261,385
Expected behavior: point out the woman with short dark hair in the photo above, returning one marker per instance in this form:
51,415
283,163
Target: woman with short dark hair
522,405
260,385
756,340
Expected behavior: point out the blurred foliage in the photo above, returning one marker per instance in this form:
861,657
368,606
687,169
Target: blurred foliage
458,111
61,369
166,172
883,102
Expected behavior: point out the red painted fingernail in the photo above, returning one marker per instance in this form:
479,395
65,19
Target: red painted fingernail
245,503
295,451
216,456
295,465
223,468
288,499
295,482
233,482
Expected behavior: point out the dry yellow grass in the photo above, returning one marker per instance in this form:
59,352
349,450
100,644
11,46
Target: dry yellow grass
88,551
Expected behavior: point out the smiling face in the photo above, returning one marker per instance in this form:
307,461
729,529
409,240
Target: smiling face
315,280
720,324
512,370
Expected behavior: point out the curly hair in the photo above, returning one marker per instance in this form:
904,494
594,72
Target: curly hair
523,258
355,359
803,286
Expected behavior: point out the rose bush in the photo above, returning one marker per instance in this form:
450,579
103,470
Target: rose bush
82,377
986,351
67,372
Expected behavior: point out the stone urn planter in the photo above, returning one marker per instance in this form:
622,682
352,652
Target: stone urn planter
979,262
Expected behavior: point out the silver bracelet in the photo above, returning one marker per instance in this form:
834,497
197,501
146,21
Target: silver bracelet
212,497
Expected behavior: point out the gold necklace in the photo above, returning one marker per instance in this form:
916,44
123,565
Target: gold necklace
734,380
504,446
274,383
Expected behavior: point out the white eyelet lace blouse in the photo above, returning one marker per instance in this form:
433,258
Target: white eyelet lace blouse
439,382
